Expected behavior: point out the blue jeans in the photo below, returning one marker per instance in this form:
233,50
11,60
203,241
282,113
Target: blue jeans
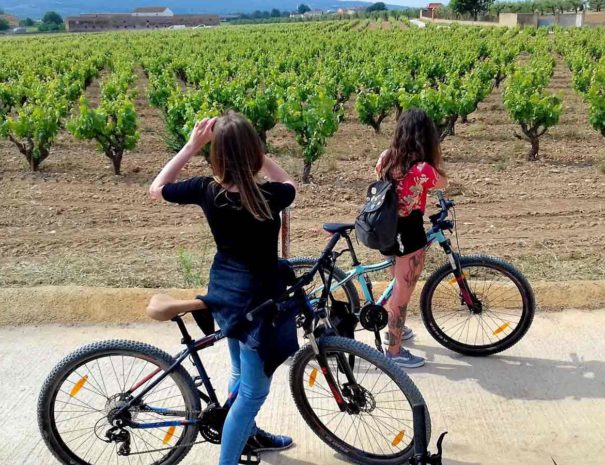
247,370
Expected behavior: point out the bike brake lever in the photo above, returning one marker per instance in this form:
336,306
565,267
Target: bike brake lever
440,443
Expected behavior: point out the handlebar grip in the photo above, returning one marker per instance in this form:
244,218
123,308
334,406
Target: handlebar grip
252,313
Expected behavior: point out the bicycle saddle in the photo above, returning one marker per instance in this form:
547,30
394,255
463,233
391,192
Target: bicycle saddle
338,227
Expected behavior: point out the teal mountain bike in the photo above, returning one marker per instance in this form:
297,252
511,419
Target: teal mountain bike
474,305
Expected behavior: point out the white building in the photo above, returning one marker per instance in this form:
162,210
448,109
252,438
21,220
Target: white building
153,11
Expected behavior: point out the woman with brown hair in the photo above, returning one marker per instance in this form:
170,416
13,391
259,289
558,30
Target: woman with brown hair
413,163
243,212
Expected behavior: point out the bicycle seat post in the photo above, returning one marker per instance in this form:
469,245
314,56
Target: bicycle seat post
351,249
181,324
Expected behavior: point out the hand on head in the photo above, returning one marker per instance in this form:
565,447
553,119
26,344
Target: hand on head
202,133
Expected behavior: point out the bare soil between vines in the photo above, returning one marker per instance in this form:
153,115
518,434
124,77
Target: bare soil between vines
76,223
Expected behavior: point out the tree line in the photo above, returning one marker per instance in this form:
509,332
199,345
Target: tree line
473,9
50,22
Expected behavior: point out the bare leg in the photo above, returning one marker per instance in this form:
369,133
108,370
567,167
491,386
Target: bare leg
406,271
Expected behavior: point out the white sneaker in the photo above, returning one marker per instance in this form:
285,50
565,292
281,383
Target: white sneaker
405,359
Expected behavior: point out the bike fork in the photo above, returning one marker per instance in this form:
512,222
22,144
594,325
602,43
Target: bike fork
459,277
322,360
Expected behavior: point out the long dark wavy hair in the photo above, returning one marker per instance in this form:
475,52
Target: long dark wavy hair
236,157
416,140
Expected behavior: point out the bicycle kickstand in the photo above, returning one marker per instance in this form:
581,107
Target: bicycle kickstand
421,455
427,458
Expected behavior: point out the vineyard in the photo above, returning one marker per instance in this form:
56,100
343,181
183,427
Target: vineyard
521,114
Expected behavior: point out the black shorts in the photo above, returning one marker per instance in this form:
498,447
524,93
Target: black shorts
410,235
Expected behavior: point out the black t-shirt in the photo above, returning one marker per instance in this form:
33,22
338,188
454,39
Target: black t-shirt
236,232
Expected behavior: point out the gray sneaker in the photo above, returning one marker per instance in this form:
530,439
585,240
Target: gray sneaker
406,335
405,359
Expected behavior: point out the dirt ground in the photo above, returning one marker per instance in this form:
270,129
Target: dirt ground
74,222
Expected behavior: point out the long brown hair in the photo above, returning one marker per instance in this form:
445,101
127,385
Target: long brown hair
236,157
416,140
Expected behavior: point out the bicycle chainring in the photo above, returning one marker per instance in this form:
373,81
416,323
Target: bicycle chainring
211,423
373,317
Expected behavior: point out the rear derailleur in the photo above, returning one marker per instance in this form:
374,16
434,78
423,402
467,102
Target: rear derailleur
120,436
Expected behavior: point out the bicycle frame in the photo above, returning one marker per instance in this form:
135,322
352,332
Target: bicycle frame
360,271
318,319
192,349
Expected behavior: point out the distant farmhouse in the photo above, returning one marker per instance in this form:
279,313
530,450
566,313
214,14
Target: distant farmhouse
350,11
13,21
141,18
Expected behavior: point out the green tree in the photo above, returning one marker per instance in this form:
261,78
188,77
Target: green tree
497,8
51,22
33,127
529,104
470,7
275,13
574,5
596,100
113,125
27,22
309,113
373,106
596,5
302,9
378,6
52,17
4,25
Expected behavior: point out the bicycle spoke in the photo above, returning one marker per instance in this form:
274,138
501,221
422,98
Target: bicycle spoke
97,387
372,431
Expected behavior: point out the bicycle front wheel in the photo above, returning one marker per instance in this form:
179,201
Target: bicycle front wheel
378,429
501,312
78,400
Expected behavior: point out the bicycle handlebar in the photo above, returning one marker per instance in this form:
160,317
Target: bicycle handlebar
445,204
300,283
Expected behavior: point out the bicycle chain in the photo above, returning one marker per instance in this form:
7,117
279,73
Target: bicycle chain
252,459
168,448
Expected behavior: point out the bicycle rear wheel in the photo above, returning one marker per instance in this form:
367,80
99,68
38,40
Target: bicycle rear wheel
502,312
81,392
381,431
346,293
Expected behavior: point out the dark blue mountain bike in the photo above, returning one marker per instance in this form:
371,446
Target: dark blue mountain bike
127,402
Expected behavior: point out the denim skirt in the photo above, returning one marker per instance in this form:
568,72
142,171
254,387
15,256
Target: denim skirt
234,289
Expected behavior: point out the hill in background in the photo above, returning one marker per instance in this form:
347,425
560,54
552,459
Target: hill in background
36,8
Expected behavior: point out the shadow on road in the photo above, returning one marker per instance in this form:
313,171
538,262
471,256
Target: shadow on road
275,458
522,377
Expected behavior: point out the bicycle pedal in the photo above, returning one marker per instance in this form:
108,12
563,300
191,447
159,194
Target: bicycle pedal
249,457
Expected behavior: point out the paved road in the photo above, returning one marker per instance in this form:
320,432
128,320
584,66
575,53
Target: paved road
543,398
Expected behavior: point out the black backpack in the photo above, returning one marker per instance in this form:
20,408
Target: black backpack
376,225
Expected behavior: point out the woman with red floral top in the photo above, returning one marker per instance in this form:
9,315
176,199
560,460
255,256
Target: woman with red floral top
413,163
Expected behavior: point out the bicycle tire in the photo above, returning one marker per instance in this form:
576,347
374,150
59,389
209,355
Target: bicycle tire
484,261
359,351
306,263
95,351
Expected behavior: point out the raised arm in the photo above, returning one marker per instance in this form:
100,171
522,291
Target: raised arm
441,182
200,136
276,173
